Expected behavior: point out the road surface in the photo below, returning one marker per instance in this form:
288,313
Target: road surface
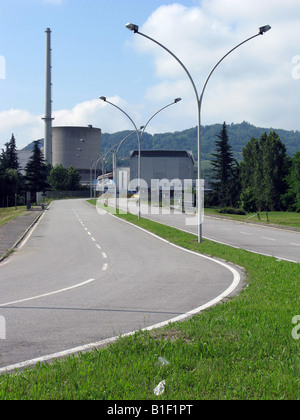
81,278
275,242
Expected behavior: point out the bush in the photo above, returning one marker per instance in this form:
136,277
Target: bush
231,210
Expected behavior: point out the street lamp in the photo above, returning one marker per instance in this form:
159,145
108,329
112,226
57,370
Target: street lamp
104,99
176,100
139,136
135,29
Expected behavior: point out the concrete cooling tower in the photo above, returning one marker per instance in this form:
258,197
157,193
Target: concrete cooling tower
79,147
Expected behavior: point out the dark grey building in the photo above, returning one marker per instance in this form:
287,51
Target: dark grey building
79,147
162,164
23,157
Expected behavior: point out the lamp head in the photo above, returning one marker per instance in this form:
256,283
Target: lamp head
103,98
177,100
264,29
132,27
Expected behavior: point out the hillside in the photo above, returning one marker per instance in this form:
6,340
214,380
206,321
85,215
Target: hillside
239,135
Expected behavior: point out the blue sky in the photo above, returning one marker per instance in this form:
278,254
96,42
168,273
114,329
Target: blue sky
94,54
88,42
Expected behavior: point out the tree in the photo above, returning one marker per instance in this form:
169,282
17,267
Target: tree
73,179
12,154
275,170
62,179
226,180
292,197
9,156
249,169
36,171
264,169
10,178
57,178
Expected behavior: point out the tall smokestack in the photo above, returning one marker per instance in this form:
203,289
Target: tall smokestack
48,113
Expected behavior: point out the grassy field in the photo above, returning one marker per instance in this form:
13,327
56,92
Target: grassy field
245,348
7,214
272,217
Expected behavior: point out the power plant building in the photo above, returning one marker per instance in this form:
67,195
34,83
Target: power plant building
79,147
162,164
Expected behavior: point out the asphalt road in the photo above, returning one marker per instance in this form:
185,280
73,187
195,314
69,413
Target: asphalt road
275,242
81,278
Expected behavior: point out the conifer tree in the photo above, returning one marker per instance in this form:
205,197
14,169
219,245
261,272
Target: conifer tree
10,178
225,168
36,171
264,170
291,198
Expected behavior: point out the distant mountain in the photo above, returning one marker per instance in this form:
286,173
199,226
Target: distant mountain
29,146
239,135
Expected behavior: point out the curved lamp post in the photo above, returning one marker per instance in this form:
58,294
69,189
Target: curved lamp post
176,100
135,29
139,137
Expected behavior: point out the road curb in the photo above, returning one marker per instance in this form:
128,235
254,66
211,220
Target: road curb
21,238
252,223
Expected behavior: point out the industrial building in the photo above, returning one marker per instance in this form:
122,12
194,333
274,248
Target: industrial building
79,147
162,164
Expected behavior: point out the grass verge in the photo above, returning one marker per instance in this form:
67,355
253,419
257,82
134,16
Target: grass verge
7,214
281,218
241,349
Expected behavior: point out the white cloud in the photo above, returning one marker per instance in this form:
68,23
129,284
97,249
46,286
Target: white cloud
99,114
28,127
25,126
253,83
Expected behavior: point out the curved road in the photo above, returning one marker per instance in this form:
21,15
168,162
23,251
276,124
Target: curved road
274,242
81,277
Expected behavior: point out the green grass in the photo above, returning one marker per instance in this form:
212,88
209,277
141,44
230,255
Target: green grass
240,349
7,214
274,217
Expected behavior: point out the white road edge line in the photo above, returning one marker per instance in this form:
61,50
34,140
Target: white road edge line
236,281
231,245
48,294
111,340
26,239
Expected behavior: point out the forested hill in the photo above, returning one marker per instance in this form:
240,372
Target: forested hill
239,135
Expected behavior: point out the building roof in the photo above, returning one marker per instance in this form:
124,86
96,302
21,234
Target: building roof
164,153
23,157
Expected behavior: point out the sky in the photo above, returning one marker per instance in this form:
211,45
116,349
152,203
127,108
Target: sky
94,54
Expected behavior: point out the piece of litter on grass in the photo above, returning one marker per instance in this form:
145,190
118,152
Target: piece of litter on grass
160,389
163,361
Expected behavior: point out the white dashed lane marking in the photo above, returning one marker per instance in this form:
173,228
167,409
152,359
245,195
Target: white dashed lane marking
104,256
